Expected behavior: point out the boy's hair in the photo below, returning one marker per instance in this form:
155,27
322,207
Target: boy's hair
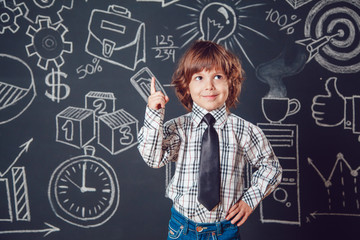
207,55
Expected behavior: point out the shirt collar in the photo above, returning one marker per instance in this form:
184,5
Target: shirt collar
220,115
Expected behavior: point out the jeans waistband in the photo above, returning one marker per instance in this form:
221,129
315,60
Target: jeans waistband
190,225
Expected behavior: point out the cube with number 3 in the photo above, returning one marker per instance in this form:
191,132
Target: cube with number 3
117,131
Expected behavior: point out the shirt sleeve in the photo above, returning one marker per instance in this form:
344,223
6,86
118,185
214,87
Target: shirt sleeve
268,175
158,142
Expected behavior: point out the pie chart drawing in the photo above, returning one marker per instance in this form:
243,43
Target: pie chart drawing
17,88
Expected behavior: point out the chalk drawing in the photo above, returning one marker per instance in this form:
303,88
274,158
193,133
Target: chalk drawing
20,190
217,29
323,107
75,126
101,102
15,98
332,40
142,81
114,130
334,109
282,20
48,43
90,68
21,195
49,229
24,148
283,205
164,3
165,47
341,187
84,190
116,38
117,131
8,17
59,90
284,138
298,3
5,201
221,23
313,46
277,110
39,9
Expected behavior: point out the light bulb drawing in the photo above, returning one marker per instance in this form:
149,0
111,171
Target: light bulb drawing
226,22
217,22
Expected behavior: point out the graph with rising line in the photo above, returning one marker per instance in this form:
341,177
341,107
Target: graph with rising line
342,188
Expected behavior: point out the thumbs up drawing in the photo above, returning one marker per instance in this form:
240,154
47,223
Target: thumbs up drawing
329,110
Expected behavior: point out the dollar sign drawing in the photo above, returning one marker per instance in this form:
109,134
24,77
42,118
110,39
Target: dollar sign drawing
53,80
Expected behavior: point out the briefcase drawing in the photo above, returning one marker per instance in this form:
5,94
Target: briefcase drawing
115,37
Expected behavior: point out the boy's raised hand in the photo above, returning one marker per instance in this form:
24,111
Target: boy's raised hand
156,99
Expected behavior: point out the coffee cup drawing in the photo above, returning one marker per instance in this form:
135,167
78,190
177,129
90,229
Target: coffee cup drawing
277,109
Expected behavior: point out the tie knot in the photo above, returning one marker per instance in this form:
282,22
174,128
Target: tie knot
209,119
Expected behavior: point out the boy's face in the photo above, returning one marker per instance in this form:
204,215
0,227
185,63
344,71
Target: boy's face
209,89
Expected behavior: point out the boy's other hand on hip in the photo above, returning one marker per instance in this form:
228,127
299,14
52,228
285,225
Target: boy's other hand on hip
239,213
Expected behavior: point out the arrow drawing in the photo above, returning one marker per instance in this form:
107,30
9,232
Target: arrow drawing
25,148
47,231
313,46
314,214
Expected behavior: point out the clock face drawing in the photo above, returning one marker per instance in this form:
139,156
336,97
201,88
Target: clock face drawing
84,191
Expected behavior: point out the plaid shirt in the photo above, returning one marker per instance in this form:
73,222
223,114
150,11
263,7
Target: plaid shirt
240,142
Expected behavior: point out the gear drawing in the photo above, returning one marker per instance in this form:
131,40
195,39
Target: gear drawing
50,9
48,43
8,17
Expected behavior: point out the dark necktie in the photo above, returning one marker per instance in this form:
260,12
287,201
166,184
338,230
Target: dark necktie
209,173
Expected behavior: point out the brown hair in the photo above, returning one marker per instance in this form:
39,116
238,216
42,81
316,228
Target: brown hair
207,55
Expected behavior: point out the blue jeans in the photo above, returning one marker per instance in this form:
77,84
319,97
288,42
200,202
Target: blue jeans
183,228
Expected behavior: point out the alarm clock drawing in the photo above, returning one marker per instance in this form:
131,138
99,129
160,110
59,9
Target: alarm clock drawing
84,190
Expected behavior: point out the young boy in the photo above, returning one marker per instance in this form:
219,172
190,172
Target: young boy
208,81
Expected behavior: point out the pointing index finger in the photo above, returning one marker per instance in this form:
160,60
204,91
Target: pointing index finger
152,86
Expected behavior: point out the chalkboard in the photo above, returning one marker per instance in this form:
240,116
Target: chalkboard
74,80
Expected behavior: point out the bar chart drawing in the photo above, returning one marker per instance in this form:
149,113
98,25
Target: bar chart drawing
21,195
13,182
5,201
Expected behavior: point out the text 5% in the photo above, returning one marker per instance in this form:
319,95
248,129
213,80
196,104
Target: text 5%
282,20
89,68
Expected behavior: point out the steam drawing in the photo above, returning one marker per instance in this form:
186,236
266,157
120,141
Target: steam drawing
290,62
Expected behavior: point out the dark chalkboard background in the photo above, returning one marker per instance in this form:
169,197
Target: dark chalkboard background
73,78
